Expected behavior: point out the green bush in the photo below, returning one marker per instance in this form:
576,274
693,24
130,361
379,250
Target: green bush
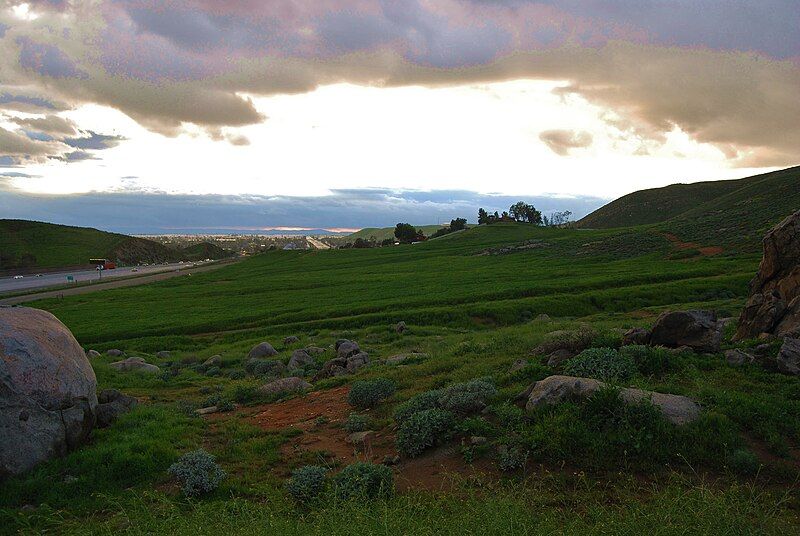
368,393
262,368
423,430
237,375
420,402
213,371
574,340
364,481
307,483
742,462
244,394
511,458
198,473
650,360
356,423
601,363
466,398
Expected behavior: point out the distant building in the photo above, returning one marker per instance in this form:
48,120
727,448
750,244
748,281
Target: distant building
290,246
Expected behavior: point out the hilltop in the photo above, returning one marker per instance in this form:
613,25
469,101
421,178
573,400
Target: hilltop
39,245
730,214
382,233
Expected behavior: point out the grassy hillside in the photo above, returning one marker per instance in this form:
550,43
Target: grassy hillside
471,302
204,250
383,233
35,245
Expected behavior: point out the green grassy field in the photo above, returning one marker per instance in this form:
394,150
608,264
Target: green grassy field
593,468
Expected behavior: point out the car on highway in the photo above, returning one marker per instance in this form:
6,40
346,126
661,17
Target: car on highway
38,275
18,276
134,269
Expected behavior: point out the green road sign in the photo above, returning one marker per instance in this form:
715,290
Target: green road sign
70,278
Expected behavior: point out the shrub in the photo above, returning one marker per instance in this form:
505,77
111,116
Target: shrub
420,402
225,406
511,458
468,397
356,423
364,481
574,340
213,371
236,374
423,430
742,462
368,393
198,473
262,368
650,360
601,363
606,339
307,483
244,394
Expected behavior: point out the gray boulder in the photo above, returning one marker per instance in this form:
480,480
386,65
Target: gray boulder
699,330
789,356
92,354
291,339
212,361
115,353
112,404
555,389
47,390
559,356
137,364
636,336
263,349
737,357
346,348
285,385
400,327
163,354
300,359
314,350
357,361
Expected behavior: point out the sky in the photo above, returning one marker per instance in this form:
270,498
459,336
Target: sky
178,115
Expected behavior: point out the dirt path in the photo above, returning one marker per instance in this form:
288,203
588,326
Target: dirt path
704,250
120,283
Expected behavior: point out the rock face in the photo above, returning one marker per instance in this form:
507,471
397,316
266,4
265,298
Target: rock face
285,385
300,359
699,330
555,389
774,302
134,364
47,390
789,356
112,404
264,349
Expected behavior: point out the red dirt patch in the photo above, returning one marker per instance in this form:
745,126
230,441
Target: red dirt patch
704,250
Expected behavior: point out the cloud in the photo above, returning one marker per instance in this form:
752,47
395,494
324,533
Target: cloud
24,102
17,145
94,141
50,124
563,141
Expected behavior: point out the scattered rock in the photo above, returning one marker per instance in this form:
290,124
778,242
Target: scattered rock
518,364
699,330
112,404
543,318
636,336
291,339
402,358
212,361
400,327
789,356
164,354
346,348
555,389
285,385
134,364
207,411
314,350
300,359
391,460
737,357
92,354
47,390
263,349
774,302
356,362
115,353
557,358
477,441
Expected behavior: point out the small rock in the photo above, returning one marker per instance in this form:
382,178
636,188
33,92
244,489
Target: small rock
401,358
212,361
115,353
559,356
291,339
636,336
519,364
285,385
69,479
134,364
360,438
391,460
346,348
28,508
263,349
207,411
789,356
762,349
357,361
737,357
164,354
93,354
543,318
477,440
400,327
300,359
314,350
111,404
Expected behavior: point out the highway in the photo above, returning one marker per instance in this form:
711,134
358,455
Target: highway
31,282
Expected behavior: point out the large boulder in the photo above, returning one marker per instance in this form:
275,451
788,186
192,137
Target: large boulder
285,385
789,356
47,390
346,348
112,404
263,349
555,389
774,302
300,359
698,330
134,364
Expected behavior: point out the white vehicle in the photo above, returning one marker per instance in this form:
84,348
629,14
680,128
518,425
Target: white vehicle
18,276
134,269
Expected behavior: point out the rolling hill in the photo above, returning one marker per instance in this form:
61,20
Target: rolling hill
37,245
729,214
382,233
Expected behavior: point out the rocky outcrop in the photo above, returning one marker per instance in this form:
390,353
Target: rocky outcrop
47,390
698,330
774,303
263,349
285,385
137,364
112,404
340,366
555,389
789,356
